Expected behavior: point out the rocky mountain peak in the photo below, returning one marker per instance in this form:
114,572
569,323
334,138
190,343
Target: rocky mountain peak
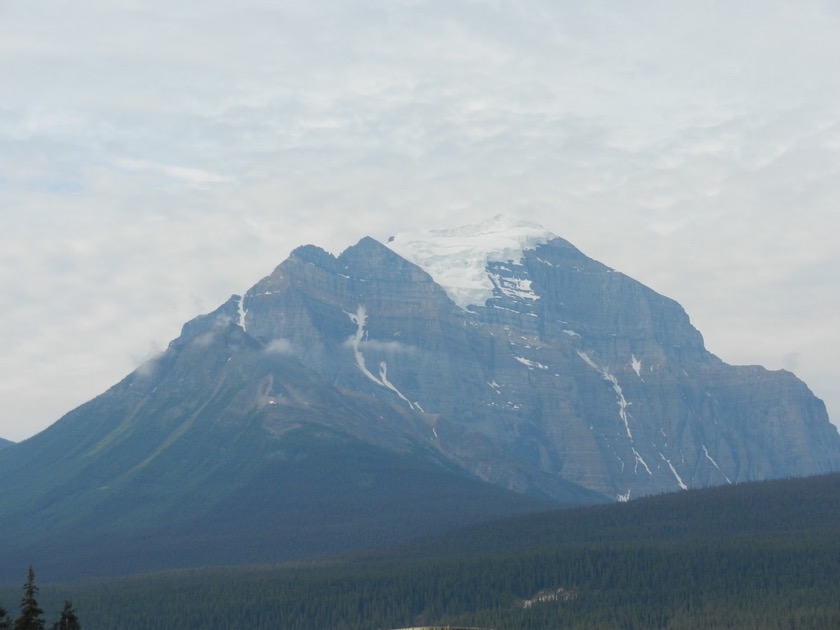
498,353
511,349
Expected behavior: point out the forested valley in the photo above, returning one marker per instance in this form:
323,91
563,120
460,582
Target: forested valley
762,555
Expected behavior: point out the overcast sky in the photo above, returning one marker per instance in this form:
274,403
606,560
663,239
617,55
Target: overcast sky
157,156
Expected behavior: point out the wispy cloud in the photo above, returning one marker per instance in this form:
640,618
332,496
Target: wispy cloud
182,174
279,346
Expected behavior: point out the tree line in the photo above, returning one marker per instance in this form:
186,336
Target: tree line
32,615
766,582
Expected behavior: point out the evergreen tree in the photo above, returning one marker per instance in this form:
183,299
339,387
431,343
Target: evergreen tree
30,613
5,622
68,620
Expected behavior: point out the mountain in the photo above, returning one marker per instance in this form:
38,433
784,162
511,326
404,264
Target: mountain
225,451
599,379
532,365
396,390
4,443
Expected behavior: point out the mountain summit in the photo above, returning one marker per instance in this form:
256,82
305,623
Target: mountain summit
400,389
457,259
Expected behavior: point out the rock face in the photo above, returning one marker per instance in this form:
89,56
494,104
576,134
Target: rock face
344,402
567,372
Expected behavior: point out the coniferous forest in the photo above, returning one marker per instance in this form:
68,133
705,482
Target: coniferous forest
764,555
32,615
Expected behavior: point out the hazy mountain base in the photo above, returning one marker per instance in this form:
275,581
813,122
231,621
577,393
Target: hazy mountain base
763,555
323,493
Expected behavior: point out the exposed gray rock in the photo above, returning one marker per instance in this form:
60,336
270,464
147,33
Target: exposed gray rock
590,378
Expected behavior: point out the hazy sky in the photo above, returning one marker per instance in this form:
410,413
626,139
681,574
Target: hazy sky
157,156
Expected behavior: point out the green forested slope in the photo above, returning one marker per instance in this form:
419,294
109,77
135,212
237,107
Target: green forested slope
756,556
323,494
766,507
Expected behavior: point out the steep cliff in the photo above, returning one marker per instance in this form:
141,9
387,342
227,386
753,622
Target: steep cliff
566,370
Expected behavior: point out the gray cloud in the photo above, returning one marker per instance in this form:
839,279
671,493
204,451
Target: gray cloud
387,347
156,157
280,346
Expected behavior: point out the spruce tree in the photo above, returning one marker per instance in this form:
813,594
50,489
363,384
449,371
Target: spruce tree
5,622
30,613
68,620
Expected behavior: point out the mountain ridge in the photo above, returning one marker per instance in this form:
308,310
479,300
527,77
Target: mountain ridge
650,322
571,383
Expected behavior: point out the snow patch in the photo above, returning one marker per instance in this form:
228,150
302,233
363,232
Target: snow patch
513,287
674,471
360,318
531,364
640,460
623,498
242,312
457,258
636,365
715,464
383,376
588,360
622,401
355,342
